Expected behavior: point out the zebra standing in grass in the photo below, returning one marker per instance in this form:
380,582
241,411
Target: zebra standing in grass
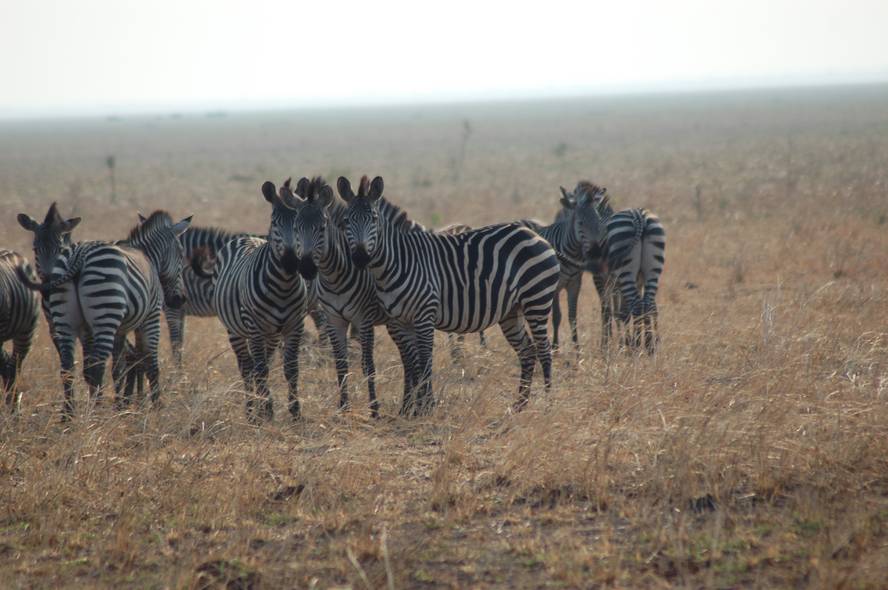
347,293
261,299
504,274
105,290
19,310
577,229
635,252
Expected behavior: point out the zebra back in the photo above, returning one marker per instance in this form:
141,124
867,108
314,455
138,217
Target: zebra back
19,305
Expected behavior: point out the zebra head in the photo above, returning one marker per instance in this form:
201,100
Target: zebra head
586,222
281,232
312,219
50,237
158,237
362,218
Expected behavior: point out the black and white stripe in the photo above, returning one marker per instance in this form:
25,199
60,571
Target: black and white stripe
19,310
262,300
635,250
503,274
108,289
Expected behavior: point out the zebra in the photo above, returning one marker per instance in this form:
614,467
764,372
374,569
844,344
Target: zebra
50,238
107,289
504,274
261,299
635,256
578,229
19,311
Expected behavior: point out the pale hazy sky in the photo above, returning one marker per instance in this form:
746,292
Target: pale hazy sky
116,56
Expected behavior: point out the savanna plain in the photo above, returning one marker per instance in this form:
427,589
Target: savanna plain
751,451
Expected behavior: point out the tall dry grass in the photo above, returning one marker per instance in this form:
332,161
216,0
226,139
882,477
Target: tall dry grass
752,451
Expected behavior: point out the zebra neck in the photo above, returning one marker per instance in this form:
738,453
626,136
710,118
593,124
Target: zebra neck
334,265
273,268
384,263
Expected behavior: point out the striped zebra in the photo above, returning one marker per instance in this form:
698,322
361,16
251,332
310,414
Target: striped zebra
347,293
19,310
105,290
592,261
577,229
635,254
504,274
50,238
201,244
262,300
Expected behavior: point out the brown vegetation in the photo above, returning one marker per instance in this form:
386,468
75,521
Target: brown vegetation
752,451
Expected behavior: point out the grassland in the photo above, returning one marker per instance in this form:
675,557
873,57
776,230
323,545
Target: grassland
752,451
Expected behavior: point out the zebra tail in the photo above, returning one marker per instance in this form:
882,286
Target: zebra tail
70,273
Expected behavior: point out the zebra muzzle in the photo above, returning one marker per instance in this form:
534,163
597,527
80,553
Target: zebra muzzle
289,261
307,268
175,301
360,257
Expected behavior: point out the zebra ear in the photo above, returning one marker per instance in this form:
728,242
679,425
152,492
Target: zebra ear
326,196
345,189
142,218
27,222
566,201
68,225
302,187
376,188
269,192
181,227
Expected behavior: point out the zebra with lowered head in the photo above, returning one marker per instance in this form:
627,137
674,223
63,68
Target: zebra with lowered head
505,274
107,289
261,300
19,310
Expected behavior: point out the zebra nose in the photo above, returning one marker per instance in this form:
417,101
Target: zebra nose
307,268
360,256
175,301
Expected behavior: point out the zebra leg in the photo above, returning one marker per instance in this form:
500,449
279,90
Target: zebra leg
368,366
261,349
321,322
403,339
556,320
291,371
537,324
513,327
21,346
425,338
573,297
482,340
605,298
121,364
103,346
337,333
651,332
66,360
245,364
457,343
176,323
6,372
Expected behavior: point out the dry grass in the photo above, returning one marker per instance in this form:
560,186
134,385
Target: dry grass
753,451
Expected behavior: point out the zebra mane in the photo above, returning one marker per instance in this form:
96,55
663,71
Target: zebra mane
397,217
156,220
315,187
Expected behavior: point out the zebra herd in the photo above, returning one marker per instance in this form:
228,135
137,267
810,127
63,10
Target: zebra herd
357,259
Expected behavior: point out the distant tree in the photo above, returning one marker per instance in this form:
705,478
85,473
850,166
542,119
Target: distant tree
110,161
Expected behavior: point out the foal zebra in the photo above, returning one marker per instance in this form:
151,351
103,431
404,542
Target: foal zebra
577,228
261,299
504,274
19,310
105,290
635,250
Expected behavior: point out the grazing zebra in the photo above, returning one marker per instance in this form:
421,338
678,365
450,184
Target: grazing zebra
504,274
261,300
106,290
346,293
635,251
575,234
19,310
